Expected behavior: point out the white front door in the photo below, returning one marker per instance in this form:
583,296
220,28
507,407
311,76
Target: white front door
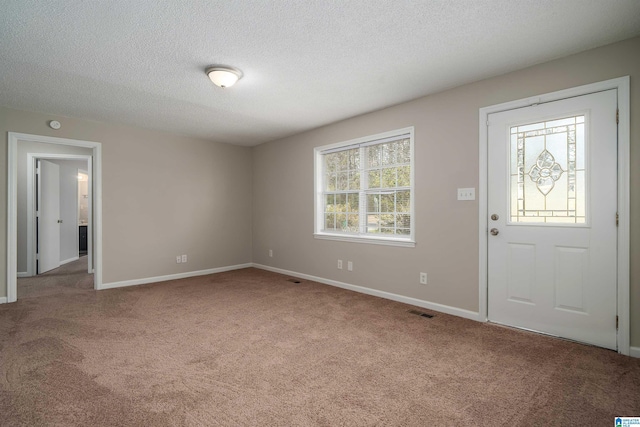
552,201
48,216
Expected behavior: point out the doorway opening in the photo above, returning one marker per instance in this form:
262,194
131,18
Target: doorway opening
24,150
59,212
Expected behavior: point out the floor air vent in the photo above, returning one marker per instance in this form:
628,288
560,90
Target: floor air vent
421,313
293,280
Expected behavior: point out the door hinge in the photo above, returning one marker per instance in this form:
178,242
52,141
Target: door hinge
617,219
617,116
617,322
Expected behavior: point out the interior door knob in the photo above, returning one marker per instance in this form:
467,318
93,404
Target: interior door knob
494,231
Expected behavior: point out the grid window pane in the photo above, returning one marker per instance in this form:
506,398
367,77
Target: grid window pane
373,203
389,178
388,154
373,156
387,203
354,180
354,202
354,159
403,201
329,201
343,181
404,176
374,178
329,221
330,163
404,154
403,221
331,182
373,223
368,188
353,223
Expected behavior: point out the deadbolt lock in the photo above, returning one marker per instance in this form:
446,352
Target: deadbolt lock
494,217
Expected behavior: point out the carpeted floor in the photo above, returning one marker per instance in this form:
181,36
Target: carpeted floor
68,278
249,348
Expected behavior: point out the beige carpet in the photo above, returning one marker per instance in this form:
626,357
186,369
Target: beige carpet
69,278
249,348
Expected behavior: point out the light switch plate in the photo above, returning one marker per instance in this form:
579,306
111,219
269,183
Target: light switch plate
466,193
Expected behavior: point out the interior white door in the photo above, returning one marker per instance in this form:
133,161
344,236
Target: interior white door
552,218
48,230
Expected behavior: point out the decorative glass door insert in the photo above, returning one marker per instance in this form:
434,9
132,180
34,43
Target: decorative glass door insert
547,173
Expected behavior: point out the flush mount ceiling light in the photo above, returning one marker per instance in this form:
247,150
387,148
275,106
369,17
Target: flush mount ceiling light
223,76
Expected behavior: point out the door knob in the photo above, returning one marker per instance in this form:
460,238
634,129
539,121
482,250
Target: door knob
59,221
494,231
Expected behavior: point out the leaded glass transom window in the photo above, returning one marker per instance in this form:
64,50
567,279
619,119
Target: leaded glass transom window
548,182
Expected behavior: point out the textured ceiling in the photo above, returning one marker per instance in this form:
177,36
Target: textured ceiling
305,63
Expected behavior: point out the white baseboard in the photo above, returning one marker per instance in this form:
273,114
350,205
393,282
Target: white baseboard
67,261
23,274
382,294
634,352
146,280
3,300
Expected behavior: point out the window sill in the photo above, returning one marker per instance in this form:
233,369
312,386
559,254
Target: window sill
371,240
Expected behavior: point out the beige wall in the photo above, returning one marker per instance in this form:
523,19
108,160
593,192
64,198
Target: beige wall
446,157
163,195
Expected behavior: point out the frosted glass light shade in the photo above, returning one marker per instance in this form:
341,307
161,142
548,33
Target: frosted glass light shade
223,76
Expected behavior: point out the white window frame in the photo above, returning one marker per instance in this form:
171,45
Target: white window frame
407,241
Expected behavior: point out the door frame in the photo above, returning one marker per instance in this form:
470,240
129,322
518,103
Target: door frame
12,204
89,214
31,211
621,85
